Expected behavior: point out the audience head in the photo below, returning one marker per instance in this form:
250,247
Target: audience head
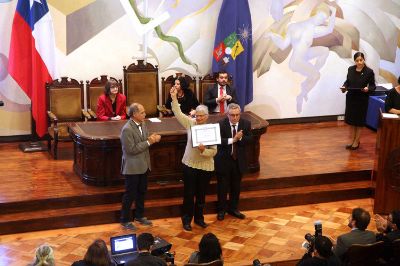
394,220
137,112
222,77
145,241
398,81
201,114
234,113
44,256
97,254
359,219
111,87
209,248
180,83
323,246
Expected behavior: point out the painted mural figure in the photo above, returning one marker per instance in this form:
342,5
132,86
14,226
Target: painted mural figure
300,35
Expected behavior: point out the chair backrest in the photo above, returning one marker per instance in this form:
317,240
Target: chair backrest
206,82
166,84
212,263
141,86
396,251
95,88
364,255
65,99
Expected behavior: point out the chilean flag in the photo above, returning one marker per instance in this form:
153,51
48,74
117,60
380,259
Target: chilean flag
32,60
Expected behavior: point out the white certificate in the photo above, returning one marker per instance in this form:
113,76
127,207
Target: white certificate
207,134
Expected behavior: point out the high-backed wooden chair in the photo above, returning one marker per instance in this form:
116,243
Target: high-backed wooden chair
166,84
141,86
64,104
94,89
206,82
212,263
364,255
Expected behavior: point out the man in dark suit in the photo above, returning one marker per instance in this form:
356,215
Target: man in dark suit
358,222
220,95
230,161
135,142
144,243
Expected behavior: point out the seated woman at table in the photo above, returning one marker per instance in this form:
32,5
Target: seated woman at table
112,104
187,100
392,102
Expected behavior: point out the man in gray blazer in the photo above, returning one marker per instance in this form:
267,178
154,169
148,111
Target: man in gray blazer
135,142
358,222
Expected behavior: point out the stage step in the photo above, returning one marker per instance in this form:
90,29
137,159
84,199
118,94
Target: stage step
167,190
44,219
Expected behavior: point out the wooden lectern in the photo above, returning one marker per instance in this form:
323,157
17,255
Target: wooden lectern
387,166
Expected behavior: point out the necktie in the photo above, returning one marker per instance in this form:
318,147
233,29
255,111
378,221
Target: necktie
140,129
222,103
234,145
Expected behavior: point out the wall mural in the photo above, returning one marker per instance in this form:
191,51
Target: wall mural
301,48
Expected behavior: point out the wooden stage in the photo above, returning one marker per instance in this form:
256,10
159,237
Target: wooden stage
300,164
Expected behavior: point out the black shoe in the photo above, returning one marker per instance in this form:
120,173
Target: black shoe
144,221
201,224
221,216
187,227
128,226
348,146
237,214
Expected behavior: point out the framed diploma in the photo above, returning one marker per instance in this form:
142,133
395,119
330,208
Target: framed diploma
207,134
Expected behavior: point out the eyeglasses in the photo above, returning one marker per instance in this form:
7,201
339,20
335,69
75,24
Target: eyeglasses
199,116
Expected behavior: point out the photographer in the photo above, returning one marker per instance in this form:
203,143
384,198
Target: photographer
320,254
144,243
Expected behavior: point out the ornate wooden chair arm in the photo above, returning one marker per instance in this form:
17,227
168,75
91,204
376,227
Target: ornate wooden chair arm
53,118
86,114
93,114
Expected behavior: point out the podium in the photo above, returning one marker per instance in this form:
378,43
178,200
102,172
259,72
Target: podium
386,171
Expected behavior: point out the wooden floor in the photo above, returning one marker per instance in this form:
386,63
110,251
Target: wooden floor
270,235
286,150
294,160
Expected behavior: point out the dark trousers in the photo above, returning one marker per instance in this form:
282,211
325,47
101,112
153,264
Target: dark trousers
135,190
229,179
195,183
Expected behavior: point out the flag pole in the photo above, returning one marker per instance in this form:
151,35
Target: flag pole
34,145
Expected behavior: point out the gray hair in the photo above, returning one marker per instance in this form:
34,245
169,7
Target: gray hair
133,109
234,106
44,256
202,108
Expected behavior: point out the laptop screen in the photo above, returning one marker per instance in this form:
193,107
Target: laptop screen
123,244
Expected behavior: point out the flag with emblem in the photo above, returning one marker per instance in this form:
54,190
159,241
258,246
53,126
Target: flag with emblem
233,47
32,55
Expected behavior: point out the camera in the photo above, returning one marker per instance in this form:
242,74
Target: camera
168,257
311,238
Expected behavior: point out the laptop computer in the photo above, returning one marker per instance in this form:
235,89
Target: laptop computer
123,248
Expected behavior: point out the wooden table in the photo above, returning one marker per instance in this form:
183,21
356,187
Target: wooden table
97,149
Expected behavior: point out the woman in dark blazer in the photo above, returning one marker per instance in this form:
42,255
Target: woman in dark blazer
186,98
112,104
359,83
